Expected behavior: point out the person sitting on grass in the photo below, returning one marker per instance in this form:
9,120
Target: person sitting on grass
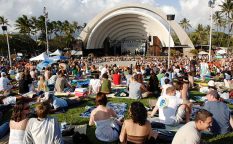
172,110
138,128
5,85
221,114
61,82
107,129
43,129
94,85
18,123
136,88
190,132
105,84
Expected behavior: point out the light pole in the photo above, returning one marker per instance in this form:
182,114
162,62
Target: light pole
211,5
170,17
4,28
46,29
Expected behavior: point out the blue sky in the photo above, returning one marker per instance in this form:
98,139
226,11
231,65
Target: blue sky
196,11
174,3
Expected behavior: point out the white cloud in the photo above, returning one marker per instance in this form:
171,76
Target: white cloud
196,11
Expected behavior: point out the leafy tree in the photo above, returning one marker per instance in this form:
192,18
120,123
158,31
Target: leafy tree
23,24
184,23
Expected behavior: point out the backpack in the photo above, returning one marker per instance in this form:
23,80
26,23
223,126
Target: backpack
80,138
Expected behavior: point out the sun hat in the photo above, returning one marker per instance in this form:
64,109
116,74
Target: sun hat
211,83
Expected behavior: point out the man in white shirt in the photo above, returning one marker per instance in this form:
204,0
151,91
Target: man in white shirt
104,70
94,85
190,132
5,83
172,110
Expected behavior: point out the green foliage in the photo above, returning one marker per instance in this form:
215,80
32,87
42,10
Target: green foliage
194,51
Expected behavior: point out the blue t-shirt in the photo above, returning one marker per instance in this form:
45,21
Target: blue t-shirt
59,103
221,116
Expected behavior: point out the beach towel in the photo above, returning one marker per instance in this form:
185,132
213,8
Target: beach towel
119,108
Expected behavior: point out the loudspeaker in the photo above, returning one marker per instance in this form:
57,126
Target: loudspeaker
170,17
4,28
149,38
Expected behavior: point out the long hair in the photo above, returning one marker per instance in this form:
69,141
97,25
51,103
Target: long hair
18,112
138,113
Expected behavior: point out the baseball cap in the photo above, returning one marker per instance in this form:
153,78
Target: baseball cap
211,83
214,93
227,77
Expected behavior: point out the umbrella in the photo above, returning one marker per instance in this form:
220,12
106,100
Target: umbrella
44,63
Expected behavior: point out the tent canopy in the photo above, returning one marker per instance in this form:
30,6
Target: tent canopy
203,53
221,52
55,58
42,56
44,64
56,53
74,52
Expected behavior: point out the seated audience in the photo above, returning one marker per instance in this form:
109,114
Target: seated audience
165,86
137,129
107,129
94,85
18,123
136,88
61,83
105,84
24,83
221,113
116,77
190,133
5,85
43,129
42,84
172,110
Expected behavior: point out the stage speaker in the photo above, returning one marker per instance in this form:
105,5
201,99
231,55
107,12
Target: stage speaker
4,28
170,17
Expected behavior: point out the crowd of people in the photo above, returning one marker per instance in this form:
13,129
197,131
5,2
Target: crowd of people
23,84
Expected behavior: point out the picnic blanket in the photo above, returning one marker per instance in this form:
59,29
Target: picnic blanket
119,108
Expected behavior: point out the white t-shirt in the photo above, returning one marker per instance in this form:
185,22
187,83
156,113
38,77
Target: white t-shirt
95,84
188,134
103,71
4,83
168,106
9,100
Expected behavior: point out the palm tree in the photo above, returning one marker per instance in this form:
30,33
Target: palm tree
184,23
200,32
23,24
227,9
33,24
218,20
